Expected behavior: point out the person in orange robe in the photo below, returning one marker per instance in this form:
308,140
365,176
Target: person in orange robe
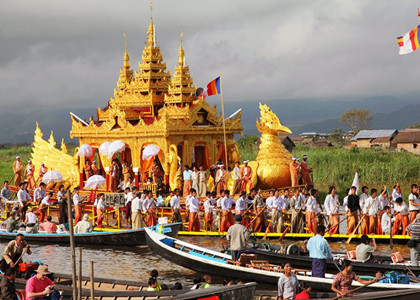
220,179
42,171
305,171
401,217
113,175
94,169
126,171
194,222
17,169
29,174
245,176
77,202
150,206
294,171
88,169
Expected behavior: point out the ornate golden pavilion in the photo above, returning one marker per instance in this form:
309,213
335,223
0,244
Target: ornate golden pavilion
151,107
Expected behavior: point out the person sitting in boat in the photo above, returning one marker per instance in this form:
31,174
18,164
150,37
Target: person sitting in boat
40,286
13,252
84,225
197,283
343,280
207,281
154,274
49,226
238,236
386,220
152,284
287,284
12,225
319,252
366,248
305,290
30,221
7,285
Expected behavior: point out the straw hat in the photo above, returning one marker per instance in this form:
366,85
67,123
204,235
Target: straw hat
43,269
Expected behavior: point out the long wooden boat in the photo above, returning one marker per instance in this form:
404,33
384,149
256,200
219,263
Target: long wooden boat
304,261
215,263
379,239
129,237
124,289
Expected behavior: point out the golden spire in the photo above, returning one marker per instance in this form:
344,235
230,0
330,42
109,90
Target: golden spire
126,64
181,52
151,41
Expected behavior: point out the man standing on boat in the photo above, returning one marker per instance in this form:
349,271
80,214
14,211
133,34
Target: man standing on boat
294,171
175,207
62,206
238,236
23,198
136,217
100,209
29,174
305,171
202,182
414,202
245,175
227,217
17,169
77,202
319,251
187,176
236,175
194,222
42,170
220,179
40,193
259,206
353,208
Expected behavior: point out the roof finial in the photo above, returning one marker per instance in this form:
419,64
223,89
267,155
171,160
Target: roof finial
125,41
181,57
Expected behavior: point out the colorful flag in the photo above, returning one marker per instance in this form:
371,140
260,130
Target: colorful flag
213,88
409,42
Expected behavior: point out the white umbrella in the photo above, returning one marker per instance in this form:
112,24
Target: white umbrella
85,151
95,181
103,149
52,175
115,147
356,182
149,151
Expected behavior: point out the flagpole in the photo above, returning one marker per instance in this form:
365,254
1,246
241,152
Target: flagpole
223,115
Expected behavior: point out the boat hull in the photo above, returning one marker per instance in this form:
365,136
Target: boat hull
131,237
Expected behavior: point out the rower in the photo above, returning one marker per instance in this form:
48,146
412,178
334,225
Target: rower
14,251
238,236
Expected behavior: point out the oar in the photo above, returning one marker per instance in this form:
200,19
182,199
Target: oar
358,288
338,223
391,242
360,222
291,221
23,252
262,211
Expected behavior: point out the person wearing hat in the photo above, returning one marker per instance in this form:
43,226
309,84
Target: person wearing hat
220,179
12,254
84,225
305,171
17,170
245,175
40,286
238,236
42,171
414,229
29,174
294,171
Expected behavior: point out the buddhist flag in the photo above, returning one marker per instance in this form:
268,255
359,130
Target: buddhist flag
213,88
409,42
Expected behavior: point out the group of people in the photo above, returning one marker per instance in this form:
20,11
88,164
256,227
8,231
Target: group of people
20,172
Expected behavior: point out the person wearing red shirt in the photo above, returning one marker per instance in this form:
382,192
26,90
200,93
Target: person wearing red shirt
40,286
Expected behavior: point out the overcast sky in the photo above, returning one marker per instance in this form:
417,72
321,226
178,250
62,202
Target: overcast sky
68,53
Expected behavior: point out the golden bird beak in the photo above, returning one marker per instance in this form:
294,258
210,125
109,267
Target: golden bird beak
284,130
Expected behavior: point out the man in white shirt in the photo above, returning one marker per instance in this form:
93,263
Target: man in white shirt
276,205
363,197
129,195
312,211
396,192
240,204
39,193
208,211
136,211
401,217
202,181
298,218
236,179
227,216
100,209
194,205
332,206
23,198
386,220
175,207
44,206
414,202
382,202
371,209
77,202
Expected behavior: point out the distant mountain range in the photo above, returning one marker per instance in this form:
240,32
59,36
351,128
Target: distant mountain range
17,124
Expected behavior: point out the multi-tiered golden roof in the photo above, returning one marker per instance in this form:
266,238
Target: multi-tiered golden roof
149,106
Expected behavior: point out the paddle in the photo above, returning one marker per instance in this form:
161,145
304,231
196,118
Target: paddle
338,223
263,209
359,288
292,220
329,217
23,252
360,222
391,242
